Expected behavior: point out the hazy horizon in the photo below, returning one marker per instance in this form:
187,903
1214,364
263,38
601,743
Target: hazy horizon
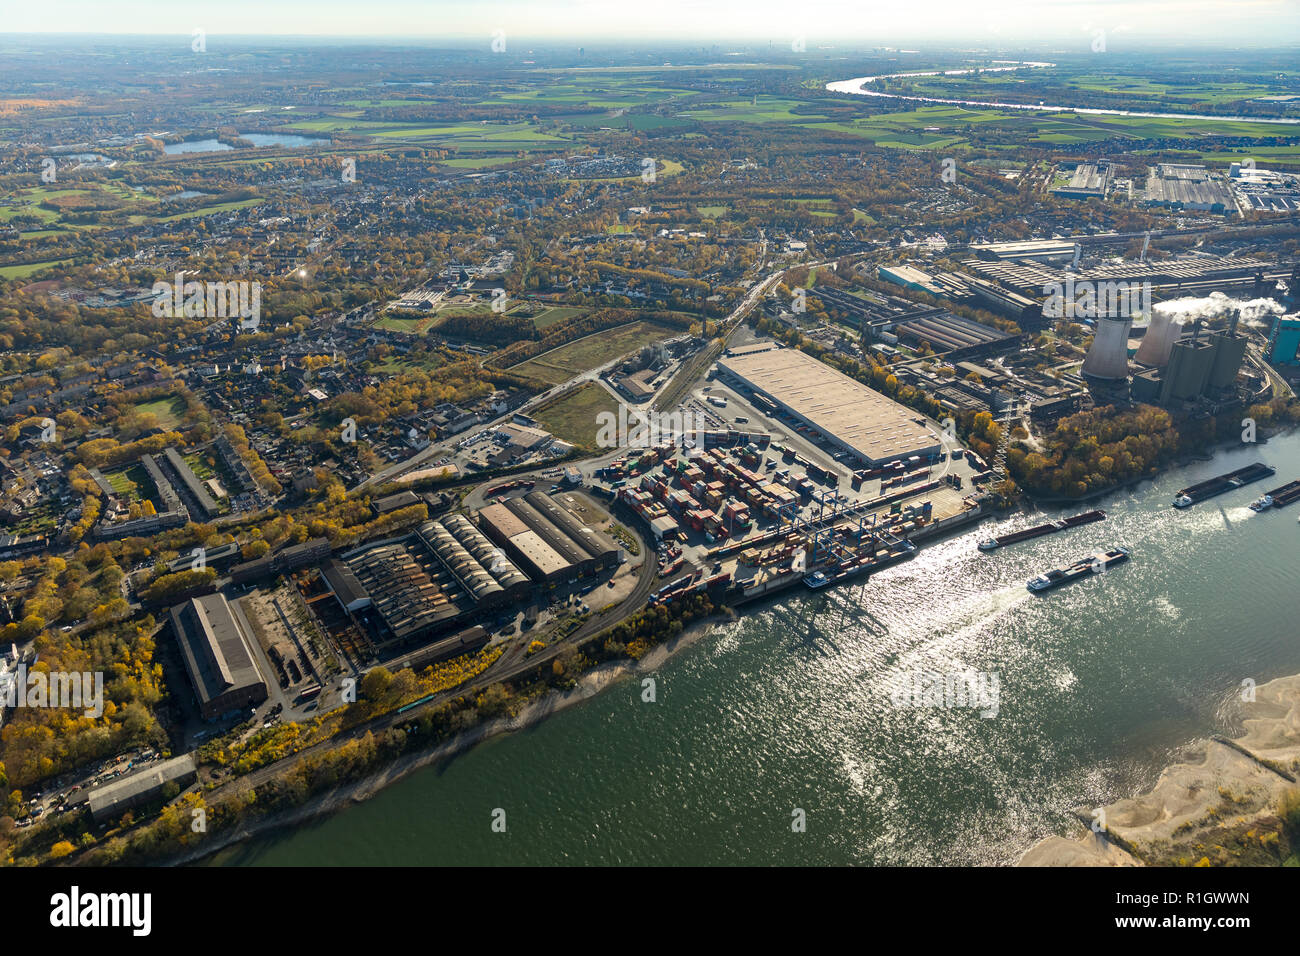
722,23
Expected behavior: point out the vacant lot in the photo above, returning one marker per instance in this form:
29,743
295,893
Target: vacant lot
593,351
574,417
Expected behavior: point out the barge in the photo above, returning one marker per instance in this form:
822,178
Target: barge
1001,541
1278,497
1201,491
1093,564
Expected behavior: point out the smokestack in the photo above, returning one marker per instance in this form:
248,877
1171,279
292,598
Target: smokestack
1108,357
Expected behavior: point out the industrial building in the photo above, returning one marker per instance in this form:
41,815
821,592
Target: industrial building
430,582
1284,340
218,656
1027,250
869,426
343,584
1187,187
1089,181
955,337
1190,368
110,801
547,539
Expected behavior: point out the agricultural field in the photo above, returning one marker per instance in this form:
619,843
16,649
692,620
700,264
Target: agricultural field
573,418
592,351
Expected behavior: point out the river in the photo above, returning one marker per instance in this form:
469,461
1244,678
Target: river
857,87
789,707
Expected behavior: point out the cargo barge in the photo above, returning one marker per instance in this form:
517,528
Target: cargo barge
1278,497
859,565
1201,491
1093,564
1001,541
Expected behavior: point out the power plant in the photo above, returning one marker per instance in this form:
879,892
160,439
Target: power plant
1188,368
1107,359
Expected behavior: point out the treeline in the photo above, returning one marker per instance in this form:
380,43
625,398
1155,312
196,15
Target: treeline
40,742
490,329
567,330
1094,450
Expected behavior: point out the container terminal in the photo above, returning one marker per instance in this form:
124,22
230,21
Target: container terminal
1278,497
1093,564
1201,491
1027,534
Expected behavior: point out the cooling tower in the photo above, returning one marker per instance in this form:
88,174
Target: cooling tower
1159,340
1108,357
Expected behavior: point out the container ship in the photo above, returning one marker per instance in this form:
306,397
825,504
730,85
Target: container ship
1217,486
1278,497
1093,564
1001,541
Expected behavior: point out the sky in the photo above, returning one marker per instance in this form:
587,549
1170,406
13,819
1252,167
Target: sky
703,22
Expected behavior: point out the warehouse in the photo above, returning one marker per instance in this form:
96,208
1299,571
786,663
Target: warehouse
579,561
218,656
864,423
523,545
407,597
952,335
601,548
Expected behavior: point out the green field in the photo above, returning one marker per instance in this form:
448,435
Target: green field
562,364
574,417
23,271
168,411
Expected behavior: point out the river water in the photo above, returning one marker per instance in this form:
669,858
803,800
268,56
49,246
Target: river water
1100,683
857,87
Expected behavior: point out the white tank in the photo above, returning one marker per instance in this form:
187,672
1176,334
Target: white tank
1108,357
1160,338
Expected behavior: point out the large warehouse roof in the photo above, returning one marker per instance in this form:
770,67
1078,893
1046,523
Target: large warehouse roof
861,419
214,647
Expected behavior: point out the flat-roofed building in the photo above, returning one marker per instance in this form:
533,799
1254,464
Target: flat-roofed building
857,419
218,656
110,801
522,544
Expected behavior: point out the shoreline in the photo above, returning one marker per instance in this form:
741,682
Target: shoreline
1219,804
593,682
606,675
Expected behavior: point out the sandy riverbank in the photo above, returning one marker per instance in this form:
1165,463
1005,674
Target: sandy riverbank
1220,805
